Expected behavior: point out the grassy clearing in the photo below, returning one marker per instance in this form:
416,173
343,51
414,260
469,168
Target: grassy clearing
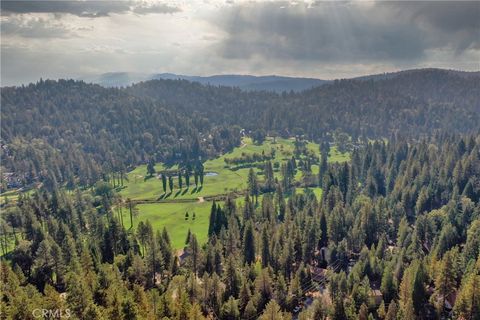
316,191
171,214
172,217
226,180
12,195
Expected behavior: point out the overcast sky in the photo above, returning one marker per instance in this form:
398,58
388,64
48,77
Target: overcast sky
326,40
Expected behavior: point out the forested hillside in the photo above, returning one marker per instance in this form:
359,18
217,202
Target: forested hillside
411,103
65,131
73,132
396,235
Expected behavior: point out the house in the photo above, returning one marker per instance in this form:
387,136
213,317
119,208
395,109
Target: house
376,296
182,255
449,300
324,253
318,274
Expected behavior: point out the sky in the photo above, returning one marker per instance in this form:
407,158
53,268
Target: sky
318,39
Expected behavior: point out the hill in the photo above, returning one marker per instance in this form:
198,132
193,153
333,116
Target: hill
244,82
272,83
415,103
74,129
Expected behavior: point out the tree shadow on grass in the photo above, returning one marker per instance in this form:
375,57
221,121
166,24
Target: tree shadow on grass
199,189
194,190
178,193
145,178
184,191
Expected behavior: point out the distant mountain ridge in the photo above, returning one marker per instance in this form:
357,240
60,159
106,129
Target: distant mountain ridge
245,82
270,83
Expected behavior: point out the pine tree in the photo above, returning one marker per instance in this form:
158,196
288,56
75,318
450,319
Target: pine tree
323,168
445,282
187,178
129,309
263,286
244,297
265,248
195,313
195,175
164,183
194,253
249,244
467,305
272,312
269,177
388,286
230,310
212,221
232,279
412,290
151,167
201,174
248,209
363,312
392,311
170,183
252,183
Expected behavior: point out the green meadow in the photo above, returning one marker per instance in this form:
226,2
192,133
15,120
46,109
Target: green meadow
172,217
168,210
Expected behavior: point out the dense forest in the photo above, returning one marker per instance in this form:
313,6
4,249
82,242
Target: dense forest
395,234
70,132
411,103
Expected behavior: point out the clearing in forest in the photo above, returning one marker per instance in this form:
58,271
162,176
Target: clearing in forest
225,174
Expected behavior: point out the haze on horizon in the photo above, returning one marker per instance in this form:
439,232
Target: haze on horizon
325,40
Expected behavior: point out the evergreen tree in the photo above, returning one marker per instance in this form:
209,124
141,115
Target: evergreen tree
269,177
252,183
164,183
445,282
323,167
232,279
151,167
194,253
265,248
392,311
230,310
212,221
249,244
187,178
272,312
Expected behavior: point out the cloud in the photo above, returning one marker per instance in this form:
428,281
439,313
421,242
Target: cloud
325,40
348,31
145,8
36,27
88,8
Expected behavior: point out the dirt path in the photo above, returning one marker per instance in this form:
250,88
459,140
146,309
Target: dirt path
201,199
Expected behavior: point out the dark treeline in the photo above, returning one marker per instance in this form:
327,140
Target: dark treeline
72,133
402,219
